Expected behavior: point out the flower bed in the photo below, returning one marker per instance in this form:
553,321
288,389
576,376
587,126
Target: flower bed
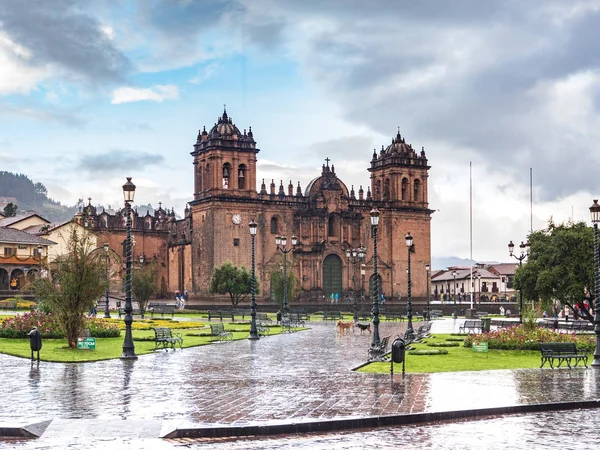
518,338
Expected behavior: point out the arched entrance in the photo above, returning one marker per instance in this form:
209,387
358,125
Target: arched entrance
3,280
332,276
17,279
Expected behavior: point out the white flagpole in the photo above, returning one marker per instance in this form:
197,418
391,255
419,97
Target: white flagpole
471,226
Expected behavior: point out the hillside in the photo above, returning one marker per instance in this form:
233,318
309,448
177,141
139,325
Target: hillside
32,197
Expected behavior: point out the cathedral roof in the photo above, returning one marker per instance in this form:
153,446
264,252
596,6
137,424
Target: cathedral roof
327,180
400,147
225,127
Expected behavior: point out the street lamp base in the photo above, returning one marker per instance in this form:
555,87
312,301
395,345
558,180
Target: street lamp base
253,337
595,363
128,356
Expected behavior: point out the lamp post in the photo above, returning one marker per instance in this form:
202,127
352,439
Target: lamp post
128,347
409,331
253,332
106,307
281,242
355,256
375,343
524,254
595,213
427,268
454,292
40,249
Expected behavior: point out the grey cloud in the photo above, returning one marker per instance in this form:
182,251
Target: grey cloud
55,115
56,32
109,161
181,18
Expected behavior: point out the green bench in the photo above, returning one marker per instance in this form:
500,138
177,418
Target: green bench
164,337
218,333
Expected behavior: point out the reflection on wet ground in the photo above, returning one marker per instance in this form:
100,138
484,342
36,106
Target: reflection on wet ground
299,376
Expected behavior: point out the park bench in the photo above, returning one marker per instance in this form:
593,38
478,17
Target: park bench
579,325
263,321
296,320
332,315
10,304
423,331
480,315
218,333
470,326
162,309
364,316
393,316
505,323
239,313
435,314
379,351
563,351
302,315
164,337
134,312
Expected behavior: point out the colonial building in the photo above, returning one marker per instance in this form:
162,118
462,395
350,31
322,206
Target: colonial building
326,216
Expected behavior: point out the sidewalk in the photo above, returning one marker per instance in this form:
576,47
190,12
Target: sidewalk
286,378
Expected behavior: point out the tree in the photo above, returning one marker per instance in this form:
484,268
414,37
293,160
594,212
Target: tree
277,285
232,280
560,266
143,285
78,279
10,210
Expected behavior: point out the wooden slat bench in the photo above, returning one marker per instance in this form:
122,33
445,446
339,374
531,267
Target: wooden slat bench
332,315
162,309
563,351
134,312
393,316
262,324
470,326
379,351
218,333
164,337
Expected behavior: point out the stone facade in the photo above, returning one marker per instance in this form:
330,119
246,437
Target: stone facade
327,218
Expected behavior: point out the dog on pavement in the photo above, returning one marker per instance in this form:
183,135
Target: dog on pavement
364,326
342,327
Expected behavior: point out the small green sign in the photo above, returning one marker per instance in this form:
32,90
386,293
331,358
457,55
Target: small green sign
86,343
480,347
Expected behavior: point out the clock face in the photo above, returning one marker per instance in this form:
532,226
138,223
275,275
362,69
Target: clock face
236,219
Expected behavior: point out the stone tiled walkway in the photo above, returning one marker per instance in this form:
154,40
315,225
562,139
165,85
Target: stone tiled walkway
300,376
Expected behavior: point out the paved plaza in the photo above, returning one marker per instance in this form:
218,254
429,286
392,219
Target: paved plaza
297,377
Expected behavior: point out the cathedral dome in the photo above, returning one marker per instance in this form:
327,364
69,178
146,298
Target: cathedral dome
398,146
225,127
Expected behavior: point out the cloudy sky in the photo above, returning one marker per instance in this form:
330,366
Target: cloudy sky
92,92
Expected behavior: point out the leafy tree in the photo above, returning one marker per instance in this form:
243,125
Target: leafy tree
143,285
277,285
232,280
10,210
560,266
78,280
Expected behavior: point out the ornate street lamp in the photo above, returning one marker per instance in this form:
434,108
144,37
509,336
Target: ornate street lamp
524,254
281,242
128,347
454,292
427,268
410,333
106,307
40,249
355,256
595,213
253,332
375,342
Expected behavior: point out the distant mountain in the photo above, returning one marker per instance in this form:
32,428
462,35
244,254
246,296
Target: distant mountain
442,263
31,197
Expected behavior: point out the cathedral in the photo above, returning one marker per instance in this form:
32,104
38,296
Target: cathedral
326,217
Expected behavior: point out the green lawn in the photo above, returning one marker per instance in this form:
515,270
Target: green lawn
459,359
56,350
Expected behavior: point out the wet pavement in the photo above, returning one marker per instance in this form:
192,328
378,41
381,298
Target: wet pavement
304,376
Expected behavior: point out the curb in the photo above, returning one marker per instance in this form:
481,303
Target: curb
323,426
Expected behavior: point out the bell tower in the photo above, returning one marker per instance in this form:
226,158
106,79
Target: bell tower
399,175
224,161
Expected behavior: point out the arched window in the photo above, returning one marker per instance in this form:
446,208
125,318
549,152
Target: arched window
404,188
417,189
274,225
226,175
332,226
386,189
242,176
377,190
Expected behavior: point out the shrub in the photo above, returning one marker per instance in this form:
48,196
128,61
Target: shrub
443,344
428,352
18,326
100,328
520,338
